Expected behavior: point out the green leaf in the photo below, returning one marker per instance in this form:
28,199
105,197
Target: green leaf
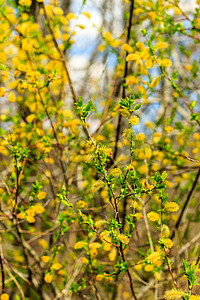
137,106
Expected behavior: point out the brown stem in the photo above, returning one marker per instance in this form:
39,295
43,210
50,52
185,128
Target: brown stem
55,136
2,275
170,270
185,204
115,206
61,55
124,79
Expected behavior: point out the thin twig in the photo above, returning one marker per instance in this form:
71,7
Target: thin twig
124,79
185,204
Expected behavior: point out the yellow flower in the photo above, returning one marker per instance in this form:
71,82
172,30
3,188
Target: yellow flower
194,297
116,172
45,258
152,16
115,43
56,266
156,137
97,185
134,120
140,136
149,63
81,204
79,245
100,223
165,231
30,219
139,216
48,278
101,47
84,260
108,36
133,56
153,216
173,294
41,195
130,80
4,296
166,62
154,258
25,2
123,238
30,118
148,268
43,243
148,152
149,125
11,98
107,151
38,208
157,276
171,206
127,48
161,45
140,45
88,158
169,129
87,14
81,26
2,92
168,243
71,16
21,215
155,82
99,277
112,254
95,245
196,136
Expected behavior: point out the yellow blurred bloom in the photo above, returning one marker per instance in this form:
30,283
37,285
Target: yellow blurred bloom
112,254
196,136
25,2
157,276
84,260
81,204
41,195
38,208
71,16
166,62
48,278
56,266
130,80
168,243
87,14
153,216
2,92
45,258
194,297
123,238
173,294
134,120
79,245
4,296
171,206
127,48
155,82
154,258
161,45
148,268
11,98
140,136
